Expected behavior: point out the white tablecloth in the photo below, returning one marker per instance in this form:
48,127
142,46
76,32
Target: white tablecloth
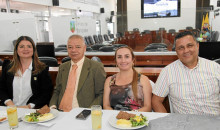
71,122
26,126
65,121
158,121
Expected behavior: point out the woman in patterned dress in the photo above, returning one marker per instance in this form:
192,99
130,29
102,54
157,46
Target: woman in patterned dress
128,89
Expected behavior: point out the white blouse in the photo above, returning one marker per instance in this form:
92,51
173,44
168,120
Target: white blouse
22,87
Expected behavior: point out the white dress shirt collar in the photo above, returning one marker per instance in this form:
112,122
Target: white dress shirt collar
80,62
198,63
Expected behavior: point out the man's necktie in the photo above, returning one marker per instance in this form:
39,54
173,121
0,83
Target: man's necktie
66,102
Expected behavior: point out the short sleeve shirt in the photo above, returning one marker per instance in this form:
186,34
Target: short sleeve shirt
191,91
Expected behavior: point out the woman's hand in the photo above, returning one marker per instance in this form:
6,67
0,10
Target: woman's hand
9,103
26,106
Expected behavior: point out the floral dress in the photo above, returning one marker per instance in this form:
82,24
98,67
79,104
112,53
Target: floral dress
122,97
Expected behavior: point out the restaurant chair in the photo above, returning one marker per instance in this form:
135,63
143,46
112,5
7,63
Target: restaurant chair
217,60
146,32
101,41
97,46
1,62
161,29
158,44
107,49
65,59
172,31
106,37
14,42
59,49
86,41
111,36
136,29
91,41
95,58
96,39
119,45
62,45
64,50
174,46
156,47
189,28
88,48
100,38
50,61
157,50
119,34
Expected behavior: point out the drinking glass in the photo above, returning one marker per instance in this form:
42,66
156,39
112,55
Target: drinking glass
96,117
12,116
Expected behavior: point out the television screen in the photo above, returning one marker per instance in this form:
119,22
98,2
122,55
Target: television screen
209,50
160,8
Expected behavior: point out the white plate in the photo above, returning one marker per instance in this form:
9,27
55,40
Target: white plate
53,111
3,114
112,121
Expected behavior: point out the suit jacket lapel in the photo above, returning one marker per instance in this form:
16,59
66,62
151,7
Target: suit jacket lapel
84,73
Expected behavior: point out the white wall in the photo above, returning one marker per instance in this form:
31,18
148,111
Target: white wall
13,26
66,4
108,5
40,2
61,28
187,17
215,20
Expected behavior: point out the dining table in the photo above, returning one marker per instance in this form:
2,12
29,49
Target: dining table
156,121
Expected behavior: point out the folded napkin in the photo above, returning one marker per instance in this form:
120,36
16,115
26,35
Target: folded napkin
47,124
3,114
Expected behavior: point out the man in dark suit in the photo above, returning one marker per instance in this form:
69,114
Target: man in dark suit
90,77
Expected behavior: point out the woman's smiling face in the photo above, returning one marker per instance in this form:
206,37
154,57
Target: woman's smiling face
25,49
124,59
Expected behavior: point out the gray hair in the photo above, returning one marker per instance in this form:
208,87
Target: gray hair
76,36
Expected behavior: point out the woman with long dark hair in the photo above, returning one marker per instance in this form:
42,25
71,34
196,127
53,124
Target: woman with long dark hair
25,81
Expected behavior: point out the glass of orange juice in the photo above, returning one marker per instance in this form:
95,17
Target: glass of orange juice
12,116
96,117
